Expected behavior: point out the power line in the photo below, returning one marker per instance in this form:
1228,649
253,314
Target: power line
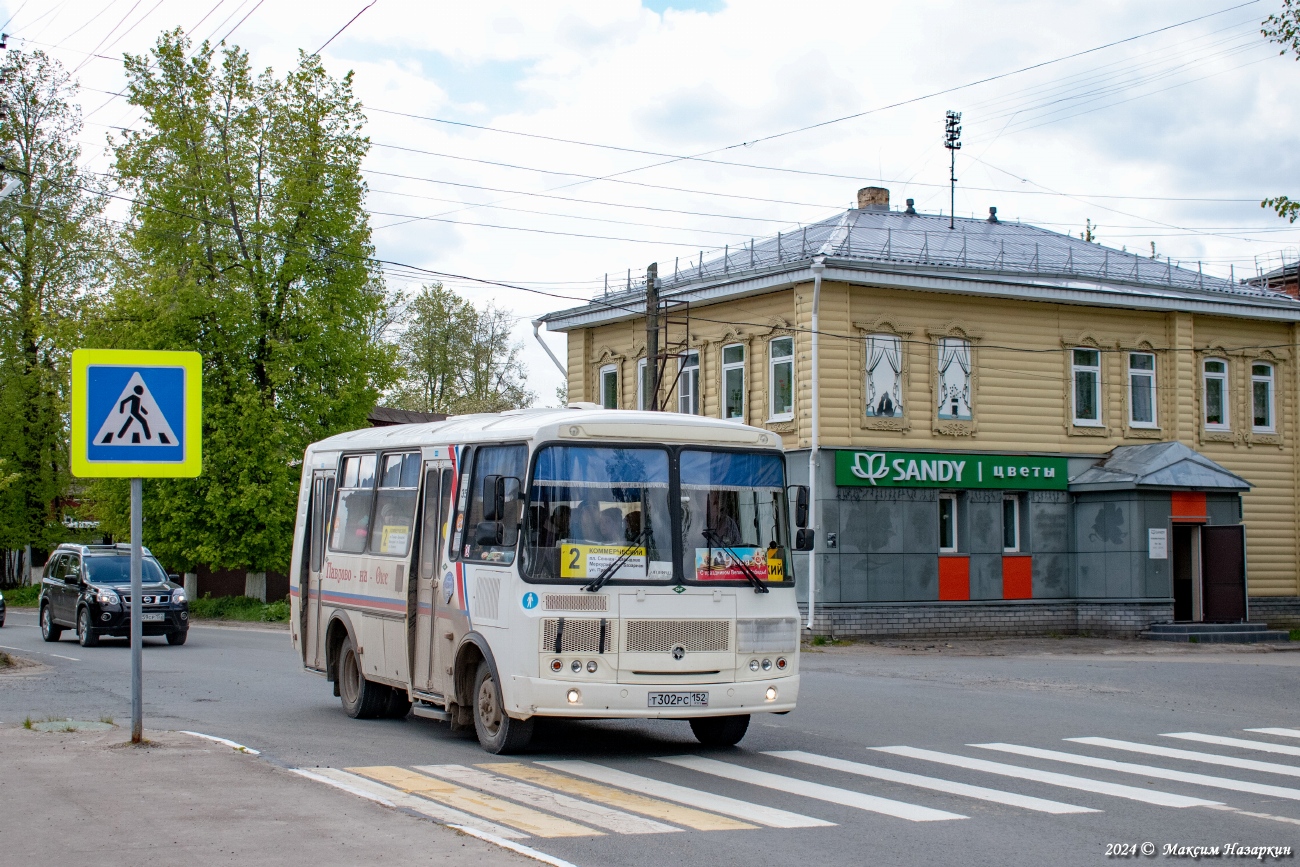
344,27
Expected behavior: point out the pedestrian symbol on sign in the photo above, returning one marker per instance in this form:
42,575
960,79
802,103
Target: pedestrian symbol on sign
135,419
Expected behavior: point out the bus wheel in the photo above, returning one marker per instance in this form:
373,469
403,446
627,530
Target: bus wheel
361,698
720,731
497,732
399,705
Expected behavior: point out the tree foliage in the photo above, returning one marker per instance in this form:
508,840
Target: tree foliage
249,243
1283,28
53,247
457,359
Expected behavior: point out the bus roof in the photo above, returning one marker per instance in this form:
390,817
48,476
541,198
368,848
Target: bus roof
577,422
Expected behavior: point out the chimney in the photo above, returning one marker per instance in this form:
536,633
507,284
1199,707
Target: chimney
873,199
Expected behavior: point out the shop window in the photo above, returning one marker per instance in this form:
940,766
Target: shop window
352,508
399,480
1085,369
733,381
643,387
781,379
609,386
1216,394
947,523
1141,389
688,383
1011,524
1261,388
884,376
954,379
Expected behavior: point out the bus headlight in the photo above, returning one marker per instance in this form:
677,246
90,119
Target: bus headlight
753,665
575,696
591,667
770,695
767,665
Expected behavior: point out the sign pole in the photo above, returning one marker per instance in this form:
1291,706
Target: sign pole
137,610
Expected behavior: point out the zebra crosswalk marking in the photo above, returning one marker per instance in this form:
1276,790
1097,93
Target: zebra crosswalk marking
1085,784
847,797
583,811
1283,733
1243,743
756,813
495,809
388,795
1192,756
997,796
663,810
1148,771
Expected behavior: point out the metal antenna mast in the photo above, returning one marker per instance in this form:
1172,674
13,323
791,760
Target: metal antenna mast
952,141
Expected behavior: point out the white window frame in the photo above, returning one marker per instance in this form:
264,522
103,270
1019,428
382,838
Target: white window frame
1075,369
640,384
604,393
949,498
891,355
1014,500
1224,409
773,361
1270,380
688,383
1138,372
728,367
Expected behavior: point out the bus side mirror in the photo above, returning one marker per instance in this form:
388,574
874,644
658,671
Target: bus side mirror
801,507
489,533
803,539
494,498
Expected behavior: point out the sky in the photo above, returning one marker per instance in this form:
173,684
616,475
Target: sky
544,145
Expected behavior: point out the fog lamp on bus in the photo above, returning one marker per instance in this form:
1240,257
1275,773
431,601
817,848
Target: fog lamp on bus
575,696
753,665
591,667
767,665
770,695
556,665
781,663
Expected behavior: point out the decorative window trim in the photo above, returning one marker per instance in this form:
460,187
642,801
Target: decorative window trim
688,373
770,391
725,367
1098,371
951,426
866,331
1262,436
1129,402
1223,431
1086,340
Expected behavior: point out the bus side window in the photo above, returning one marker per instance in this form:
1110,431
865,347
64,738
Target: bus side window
429,535
444,509
509,462
352,510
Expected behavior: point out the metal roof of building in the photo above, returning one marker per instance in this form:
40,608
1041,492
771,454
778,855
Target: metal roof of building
1158,465
882,241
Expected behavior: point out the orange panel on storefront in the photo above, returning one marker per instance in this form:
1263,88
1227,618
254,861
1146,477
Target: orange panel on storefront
1018,577
954,579
1187,505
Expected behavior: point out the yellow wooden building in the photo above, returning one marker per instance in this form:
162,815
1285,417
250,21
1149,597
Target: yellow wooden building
1124,425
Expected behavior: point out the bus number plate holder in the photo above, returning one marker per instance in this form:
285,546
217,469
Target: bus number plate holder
677,699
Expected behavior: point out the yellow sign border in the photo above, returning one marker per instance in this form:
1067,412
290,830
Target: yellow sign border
191,466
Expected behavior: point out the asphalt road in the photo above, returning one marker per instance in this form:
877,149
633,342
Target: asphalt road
915,804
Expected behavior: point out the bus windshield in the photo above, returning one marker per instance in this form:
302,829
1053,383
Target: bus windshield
733,516
594,509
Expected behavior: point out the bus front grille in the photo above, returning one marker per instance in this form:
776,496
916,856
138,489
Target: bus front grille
576,602
693,636
577,635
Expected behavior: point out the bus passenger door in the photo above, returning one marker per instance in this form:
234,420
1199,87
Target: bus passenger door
322,499
434,515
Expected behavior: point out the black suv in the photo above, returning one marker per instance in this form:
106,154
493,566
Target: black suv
88,588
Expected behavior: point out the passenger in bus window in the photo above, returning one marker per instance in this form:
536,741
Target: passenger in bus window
722,520
585,522
611,524
632,525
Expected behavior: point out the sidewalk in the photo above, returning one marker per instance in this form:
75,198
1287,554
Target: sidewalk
90,797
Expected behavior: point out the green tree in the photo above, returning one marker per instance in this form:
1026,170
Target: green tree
456,359
249,243
1284,29
52,250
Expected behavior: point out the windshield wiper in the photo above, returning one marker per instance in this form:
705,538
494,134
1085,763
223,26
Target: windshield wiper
711,536
608,572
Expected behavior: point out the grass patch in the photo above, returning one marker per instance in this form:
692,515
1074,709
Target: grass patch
242,608
1295,634
27,723
23,597
107,720
5,660
827,641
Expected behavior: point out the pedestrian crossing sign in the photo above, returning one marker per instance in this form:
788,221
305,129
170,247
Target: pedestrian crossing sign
136,413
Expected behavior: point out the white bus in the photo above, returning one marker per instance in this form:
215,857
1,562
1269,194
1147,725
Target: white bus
577,562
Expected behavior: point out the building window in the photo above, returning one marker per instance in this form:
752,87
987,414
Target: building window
1141,389
954,379
781,379
1011,524
1216,394
609,386
1261,389
688,383
947,523
733,381
884,376
642,384
1086,369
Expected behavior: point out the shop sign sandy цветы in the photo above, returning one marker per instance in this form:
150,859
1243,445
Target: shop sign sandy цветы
889,469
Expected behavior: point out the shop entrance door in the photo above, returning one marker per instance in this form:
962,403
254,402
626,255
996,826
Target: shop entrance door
1223,553
1187,572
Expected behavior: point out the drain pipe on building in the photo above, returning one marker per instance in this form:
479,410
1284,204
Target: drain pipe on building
818,266
537,323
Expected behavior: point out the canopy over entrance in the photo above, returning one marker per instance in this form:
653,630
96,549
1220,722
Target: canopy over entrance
1158,466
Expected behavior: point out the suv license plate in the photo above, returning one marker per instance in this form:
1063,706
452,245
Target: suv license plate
153,618
677,699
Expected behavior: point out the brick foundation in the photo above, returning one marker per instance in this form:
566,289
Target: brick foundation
1279,612
1120,618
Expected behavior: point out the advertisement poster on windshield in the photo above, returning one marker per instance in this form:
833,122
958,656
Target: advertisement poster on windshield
716,564
589,561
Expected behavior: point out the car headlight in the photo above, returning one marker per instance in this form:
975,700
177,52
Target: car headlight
178,597
106,597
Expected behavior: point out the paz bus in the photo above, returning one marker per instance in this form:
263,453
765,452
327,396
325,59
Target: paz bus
578,562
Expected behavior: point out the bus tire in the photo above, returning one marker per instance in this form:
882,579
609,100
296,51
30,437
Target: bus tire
399,704
361,698
497,732
720,731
